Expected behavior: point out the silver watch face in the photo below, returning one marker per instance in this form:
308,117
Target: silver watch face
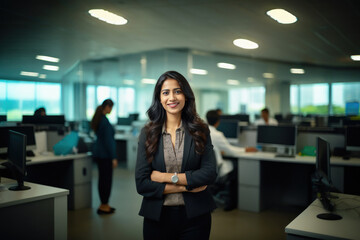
174,178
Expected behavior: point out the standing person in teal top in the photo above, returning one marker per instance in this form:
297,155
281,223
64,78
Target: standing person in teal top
104,153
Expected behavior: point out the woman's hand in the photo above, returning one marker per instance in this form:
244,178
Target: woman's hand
198,189
157,176
114,163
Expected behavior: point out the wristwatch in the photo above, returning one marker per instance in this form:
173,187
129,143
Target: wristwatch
174,178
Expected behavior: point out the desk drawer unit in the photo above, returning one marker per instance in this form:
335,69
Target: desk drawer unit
249,185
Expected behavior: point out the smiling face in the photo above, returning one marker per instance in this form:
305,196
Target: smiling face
171,97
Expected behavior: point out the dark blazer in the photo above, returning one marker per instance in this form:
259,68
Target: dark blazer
104,146
200,170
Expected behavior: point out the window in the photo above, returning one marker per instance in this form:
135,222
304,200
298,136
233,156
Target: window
90,102
103,93
22,98
310,98
123,97
126,101
343,93
246,100
294,99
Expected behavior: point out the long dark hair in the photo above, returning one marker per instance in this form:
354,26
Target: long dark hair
190,119
99,112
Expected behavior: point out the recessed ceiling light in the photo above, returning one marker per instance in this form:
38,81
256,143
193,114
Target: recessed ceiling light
51,68
107,16
198,71
281,16
355,57
129,82
148,81
251,79
297,71
268,75
42,76
246,44
233,82
29,74
226,65
47,58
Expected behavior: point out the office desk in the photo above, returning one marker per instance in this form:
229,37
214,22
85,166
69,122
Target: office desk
37,213
308,226
72,172
131,143
265,180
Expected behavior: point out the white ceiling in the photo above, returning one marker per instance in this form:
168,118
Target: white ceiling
326,34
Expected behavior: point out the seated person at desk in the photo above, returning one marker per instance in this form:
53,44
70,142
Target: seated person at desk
227,173
40,112
266,119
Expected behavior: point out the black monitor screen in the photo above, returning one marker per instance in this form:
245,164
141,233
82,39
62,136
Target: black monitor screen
353,137
239,117
3,118
323,158
4,133
17,150
125,121
230,128
276,135
48,119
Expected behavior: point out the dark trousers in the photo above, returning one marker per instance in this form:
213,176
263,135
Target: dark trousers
174,225
105,178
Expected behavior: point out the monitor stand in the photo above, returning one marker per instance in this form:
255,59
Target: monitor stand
329,216
20,186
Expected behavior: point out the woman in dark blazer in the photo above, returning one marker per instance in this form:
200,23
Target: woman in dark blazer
104,153
175,164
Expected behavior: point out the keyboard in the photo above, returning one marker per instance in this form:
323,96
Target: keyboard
284,156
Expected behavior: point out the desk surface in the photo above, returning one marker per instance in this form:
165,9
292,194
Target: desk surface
50,157
267,156
308,225
36,193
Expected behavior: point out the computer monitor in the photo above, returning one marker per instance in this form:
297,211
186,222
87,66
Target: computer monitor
336,121
134,116
27,130
3,118
281,137
44,120
230,128
239,117
17,159
323,179
352,108
323,160
124,121
352,138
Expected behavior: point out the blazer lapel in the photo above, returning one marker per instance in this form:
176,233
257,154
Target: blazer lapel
187,146
160,161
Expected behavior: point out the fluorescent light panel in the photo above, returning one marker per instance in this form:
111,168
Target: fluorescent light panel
268,75
246,44
107,16
42,76
251,79
297,71
148,80
281,16
47,58
129,82
198,71
355,57
233,82
29,74
51,67
226,65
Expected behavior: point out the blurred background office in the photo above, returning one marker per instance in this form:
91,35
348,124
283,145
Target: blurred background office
236,55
